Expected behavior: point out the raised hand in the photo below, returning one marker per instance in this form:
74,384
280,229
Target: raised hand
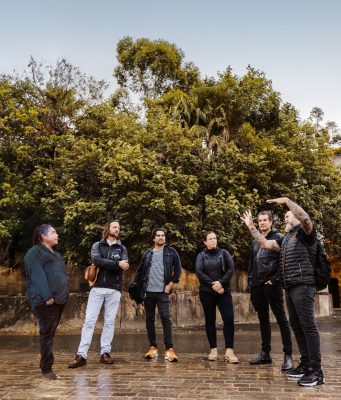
247,218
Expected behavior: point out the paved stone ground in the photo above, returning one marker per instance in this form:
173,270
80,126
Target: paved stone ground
193,377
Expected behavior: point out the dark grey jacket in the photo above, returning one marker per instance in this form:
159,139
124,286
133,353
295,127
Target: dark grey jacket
297,252
107,258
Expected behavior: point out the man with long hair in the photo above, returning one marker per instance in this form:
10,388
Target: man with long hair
47,290
111,257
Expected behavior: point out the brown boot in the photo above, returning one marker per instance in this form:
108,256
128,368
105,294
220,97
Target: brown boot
106,359
77,362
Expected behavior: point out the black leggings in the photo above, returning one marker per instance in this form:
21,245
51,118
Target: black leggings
224,303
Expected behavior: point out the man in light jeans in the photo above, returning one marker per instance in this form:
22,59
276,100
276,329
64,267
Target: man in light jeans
112,259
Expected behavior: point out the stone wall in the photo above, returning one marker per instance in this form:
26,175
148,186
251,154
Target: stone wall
186,311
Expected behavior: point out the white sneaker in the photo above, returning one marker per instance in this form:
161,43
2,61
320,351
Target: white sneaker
213,356
230,357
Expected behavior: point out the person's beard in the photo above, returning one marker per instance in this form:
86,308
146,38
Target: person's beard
288,227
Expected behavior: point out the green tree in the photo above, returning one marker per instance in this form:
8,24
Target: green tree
153,67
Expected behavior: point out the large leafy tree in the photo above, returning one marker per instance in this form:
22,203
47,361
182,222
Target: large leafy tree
203,152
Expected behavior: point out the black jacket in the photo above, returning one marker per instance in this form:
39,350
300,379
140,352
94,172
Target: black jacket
107,258
264,263
214,265
172,268
297,252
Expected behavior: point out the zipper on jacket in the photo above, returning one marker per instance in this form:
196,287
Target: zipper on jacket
284,259
299,264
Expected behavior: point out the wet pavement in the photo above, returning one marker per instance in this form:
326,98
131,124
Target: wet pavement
193,377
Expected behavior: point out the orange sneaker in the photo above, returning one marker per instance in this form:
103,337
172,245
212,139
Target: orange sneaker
152,353
171,356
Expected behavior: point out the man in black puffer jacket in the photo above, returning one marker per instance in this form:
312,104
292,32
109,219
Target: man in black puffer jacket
297,266
266,290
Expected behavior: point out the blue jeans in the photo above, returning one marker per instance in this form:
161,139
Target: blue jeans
48,319
97,297
224,302
300,303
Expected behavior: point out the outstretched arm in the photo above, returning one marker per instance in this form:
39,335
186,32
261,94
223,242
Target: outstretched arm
298,212
259,238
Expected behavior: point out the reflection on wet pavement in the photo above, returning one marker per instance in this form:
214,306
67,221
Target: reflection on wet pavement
193,377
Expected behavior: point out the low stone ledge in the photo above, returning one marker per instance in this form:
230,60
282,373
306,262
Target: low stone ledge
186,310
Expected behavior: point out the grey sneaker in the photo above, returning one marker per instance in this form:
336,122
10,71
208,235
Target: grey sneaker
287,364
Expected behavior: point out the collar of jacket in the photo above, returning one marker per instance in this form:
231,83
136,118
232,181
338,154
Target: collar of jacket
104,241
212,251
271,233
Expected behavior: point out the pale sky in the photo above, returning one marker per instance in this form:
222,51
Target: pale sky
295,42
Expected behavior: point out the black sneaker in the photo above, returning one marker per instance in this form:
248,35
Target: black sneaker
311,378
297,372
262,358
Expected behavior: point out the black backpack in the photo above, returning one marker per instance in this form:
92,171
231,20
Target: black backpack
322,267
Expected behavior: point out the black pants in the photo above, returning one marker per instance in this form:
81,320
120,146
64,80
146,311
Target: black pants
271,295
161,300
224,303
48,319
300,302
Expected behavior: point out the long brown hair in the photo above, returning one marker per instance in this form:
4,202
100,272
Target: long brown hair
106,228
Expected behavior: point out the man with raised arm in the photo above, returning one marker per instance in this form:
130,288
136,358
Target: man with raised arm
297,255
266,291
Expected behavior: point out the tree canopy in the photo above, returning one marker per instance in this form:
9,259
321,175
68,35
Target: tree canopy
204,151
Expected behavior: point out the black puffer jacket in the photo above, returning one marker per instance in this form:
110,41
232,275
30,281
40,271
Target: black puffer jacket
264,263
107,258
214,265
297,251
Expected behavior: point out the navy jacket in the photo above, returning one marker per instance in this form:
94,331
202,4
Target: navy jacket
46,276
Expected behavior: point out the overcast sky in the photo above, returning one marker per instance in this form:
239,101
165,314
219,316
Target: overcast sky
295,42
